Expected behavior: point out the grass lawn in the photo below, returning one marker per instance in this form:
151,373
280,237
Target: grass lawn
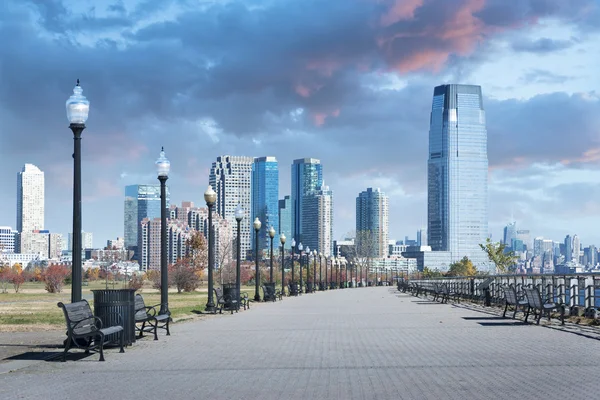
33,309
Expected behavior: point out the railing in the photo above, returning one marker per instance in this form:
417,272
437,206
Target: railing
577,291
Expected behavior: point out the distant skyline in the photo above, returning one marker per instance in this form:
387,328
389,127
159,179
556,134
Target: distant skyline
346,82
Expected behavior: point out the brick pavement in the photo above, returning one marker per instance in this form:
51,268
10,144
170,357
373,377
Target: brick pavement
364,343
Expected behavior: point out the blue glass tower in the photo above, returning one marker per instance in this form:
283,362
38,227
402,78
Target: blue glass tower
285,220
265,198
307,176
457,206
141,201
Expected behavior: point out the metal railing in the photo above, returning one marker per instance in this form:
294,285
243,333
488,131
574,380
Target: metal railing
576,291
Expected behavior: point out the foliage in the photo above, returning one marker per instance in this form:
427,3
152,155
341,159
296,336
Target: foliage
197,252
5,277
505,261
431,273
463,267
17,277
184,276
54,277
136,282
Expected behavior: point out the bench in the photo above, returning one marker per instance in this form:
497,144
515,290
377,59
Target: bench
513,299
268,294
447,293
82,324
149,314
244,301
535,304
222,301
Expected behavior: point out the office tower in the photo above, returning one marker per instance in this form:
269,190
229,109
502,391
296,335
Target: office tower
422,237
568,248
141,201
30,199
231,178
510,233
285,220
8,237
523,235
457,209
576,248
265,199
317,220
307,177
372,218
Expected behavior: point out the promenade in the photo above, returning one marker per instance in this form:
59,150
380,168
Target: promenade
364,343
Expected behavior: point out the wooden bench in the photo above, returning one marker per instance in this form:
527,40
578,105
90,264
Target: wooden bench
513,299
535,304
222,302
82,324
149,314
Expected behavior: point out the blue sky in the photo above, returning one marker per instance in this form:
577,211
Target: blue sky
346,81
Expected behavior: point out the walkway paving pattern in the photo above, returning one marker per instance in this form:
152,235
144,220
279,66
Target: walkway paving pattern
365,343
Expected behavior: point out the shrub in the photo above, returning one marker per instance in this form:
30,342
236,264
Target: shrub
136,282
54,277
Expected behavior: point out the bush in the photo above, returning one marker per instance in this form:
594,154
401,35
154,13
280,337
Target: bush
136,282
184,276
54,277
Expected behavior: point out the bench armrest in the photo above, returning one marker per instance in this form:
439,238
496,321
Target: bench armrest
97,321
150,310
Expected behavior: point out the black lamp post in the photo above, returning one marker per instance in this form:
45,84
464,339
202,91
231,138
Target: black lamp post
239,216
162,167
210,197
314,270
257,226
331,259
307,253
351,267
320,270
271,235
337,276
293,282
282,240
300,248
386,276
78,108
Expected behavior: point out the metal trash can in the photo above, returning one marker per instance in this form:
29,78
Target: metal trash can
230,292
110,302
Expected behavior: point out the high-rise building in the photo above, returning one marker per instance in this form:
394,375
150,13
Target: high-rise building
568,248
457,188
35,242
30,199
317,220
372,216
116,244
265,198
285,220
87,240
523,235
576,249
55,245
510,233
141,201
422,237
8,237
307,177
231,179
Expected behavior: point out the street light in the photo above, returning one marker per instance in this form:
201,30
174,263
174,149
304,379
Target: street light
78,108
293,286
308,269
331,260
314,270
271,235
210,197
320,271
162,168
282,240
239,216
300,247
257,226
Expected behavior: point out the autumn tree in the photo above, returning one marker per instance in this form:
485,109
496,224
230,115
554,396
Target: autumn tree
5,277
54,277
431,273
197,254
505,261
463,267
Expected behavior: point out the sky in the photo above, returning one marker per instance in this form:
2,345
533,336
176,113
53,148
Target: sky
349,82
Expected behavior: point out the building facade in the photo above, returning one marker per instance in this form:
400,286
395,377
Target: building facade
141,201
285,220
307,177
265,198
30,199
457,206
510,233
8,239
231,179
372,216
317,220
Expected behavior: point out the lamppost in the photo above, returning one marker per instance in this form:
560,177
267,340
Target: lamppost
332,260
300,247
162,168
351,267
271,235
257,226
210,197
293,282
239,216
282,240
337,278
386,276
78,108
307,253
320,271
314,270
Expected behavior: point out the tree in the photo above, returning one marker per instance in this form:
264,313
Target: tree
431,273
224,254
54,276
505,261
183,275
17,277
197,253
5,277
463,267
363,252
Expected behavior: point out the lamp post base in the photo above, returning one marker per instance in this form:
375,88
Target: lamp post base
210,307
256,297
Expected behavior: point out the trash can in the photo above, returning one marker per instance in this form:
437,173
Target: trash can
110,302
230,293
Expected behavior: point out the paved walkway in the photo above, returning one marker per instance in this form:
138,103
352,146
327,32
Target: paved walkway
364,343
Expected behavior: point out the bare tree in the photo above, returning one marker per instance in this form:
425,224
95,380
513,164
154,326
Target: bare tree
224,246
362,253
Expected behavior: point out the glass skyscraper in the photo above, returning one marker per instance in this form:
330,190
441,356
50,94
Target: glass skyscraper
141,201
307,177
372,221
265,199
285,220
457,206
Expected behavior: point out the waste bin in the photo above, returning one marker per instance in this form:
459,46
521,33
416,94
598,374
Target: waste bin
110,302
230,293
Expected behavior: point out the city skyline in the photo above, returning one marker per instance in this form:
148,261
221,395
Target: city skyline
359,102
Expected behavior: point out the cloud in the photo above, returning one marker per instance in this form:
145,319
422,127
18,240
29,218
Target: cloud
543,76
542,45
